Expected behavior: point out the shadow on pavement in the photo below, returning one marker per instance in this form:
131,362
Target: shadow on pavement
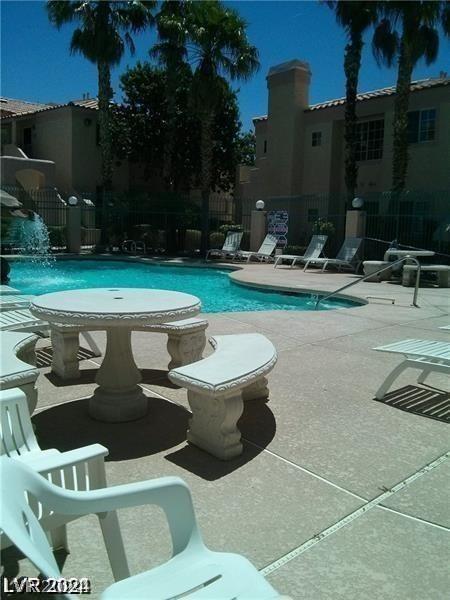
69,426
257,425
426,402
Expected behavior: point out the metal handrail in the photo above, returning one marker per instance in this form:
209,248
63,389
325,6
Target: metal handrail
397,262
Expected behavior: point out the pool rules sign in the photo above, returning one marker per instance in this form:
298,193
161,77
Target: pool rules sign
277,224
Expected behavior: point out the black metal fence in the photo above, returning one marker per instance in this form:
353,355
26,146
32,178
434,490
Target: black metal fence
417,219
164,222
171,223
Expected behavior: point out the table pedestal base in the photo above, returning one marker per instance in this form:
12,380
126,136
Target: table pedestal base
118,397
118,409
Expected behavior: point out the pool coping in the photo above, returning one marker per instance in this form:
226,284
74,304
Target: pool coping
234,269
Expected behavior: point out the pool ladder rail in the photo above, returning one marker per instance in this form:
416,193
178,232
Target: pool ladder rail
393,264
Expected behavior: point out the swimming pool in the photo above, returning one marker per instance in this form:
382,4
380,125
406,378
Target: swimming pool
216,290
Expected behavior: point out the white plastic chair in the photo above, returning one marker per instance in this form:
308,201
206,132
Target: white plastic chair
425,355
80,469
10,301
23,320
314,250
230,245
346,257
265,251
193,570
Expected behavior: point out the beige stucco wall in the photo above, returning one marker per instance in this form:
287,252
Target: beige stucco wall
52,140
86,155
67,136
288,86
292,166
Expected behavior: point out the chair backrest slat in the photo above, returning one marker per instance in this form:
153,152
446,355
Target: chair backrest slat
269,244
232,241
17,519
16,430
315,246
349,249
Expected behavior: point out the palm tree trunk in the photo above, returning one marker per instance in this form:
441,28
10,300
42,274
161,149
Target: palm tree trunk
206,159
400,145
352,64
105,95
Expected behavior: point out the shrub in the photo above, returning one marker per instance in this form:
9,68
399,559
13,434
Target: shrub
230,227
216,239
297,250
322,227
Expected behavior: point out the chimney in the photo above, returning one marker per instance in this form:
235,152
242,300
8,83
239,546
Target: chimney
87,95
84,96
288,86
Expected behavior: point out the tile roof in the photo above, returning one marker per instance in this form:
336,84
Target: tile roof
12,106
17,108
423,84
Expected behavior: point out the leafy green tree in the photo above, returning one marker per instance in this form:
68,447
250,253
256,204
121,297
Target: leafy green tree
408,32
355,17
143,123
102,34
247,148
217,49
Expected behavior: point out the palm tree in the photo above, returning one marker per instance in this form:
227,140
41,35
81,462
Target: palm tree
418,38
102,34
355,17
171,53
217,50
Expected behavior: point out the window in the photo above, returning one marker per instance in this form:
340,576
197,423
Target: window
370,136
265,147
316,139
421,125
313,215
6,133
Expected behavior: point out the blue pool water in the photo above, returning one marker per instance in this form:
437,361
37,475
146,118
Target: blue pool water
215,289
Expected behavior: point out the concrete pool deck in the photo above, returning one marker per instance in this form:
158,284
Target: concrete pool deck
335,496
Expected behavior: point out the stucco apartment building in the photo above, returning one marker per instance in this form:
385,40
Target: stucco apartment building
54,145
300,147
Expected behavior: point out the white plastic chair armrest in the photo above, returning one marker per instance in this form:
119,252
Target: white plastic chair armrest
69,458
169,493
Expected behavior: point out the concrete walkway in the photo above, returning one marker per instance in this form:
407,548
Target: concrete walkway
337,496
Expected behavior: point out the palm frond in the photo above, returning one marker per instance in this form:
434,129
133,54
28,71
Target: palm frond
385,43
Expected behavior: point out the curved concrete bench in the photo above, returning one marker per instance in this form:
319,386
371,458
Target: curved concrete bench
442,272
185,344
17,369
217,386
186,340
372,266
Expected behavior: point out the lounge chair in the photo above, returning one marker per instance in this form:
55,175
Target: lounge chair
346,257
313,250
230,245
192,571
9,301
426,355
265,251
6,289
23,320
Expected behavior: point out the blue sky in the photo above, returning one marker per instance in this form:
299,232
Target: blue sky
36,64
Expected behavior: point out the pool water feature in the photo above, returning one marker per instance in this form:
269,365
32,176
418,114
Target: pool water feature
216,290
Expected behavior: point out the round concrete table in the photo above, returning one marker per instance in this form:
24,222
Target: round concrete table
118,396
